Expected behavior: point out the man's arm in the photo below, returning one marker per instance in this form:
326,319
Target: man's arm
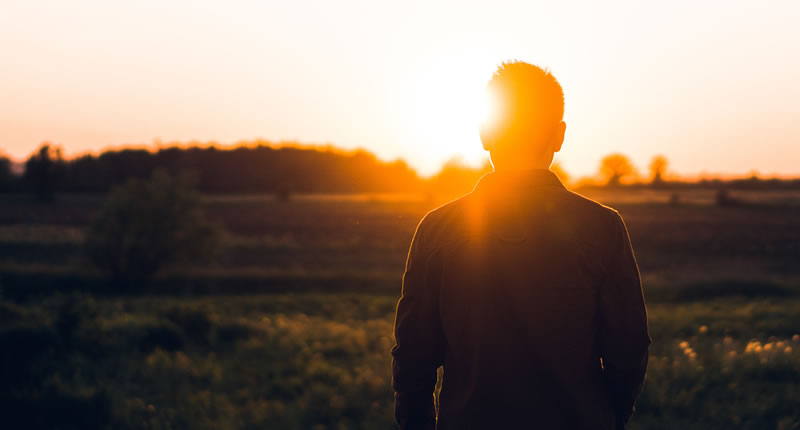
624,338
418,342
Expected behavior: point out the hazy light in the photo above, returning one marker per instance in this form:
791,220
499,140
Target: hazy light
450,104
711,86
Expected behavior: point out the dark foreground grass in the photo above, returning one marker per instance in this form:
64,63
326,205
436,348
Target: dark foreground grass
321,361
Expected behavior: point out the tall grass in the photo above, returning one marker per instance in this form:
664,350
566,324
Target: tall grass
321,361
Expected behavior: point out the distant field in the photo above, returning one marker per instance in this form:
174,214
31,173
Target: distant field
693,196
368,235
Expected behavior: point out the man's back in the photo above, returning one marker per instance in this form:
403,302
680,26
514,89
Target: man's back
518,289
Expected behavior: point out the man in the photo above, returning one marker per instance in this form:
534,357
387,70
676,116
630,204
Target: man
526,293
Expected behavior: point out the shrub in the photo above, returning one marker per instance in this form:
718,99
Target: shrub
144,334
165,335
146,226
195,323
234,331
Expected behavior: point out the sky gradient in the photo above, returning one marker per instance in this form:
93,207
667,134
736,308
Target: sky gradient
711,85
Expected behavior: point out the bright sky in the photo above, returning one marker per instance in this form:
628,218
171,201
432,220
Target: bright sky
713,85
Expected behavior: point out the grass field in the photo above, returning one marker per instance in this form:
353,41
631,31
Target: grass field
722,285
687,243
320,361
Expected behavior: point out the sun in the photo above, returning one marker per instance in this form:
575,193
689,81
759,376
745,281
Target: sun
451,103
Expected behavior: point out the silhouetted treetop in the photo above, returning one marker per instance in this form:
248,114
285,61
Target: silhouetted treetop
262,168
44,171
614,167
658,167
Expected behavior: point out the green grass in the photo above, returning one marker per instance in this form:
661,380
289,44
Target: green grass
186,353
321,361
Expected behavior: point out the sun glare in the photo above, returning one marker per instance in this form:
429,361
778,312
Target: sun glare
451,103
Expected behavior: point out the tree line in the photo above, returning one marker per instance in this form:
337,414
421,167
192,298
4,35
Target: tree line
262,167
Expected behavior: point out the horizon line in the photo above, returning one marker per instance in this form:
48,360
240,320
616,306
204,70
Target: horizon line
157,145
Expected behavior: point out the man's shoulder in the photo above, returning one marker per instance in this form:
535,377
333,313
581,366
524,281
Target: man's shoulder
592,207
442,214
591,212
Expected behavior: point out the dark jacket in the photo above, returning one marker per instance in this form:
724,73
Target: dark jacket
529,296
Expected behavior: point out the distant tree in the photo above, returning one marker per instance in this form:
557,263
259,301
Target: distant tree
7,178
614,167
44,170
558,169
84,174
148,225
658,167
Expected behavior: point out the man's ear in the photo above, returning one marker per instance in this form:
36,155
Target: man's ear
558,137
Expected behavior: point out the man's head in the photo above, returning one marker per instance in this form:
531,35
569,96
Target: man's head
526,126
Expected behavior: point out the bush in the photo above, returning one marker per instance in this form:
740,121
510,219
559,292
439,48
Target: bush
146,226
195,323
143,334
234,331
165,335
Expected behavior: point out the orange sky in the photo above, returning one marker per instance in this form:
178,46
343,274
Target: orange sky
712,85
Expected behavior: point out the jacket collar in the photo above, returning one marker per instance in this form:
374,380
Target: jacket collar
527,178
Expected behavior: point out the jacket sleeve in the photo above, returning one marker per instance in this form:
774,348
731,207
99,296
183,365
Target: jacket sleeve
416,355
624,337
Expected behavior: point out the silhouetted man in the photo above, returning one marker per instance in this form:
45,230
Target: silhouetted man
528,294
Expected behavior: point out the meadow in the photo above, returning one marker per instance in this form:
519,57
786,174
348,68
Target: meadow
320,361
289,326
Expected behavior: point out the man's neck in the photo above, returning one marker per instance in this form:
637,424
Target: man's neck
520,167
521,163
